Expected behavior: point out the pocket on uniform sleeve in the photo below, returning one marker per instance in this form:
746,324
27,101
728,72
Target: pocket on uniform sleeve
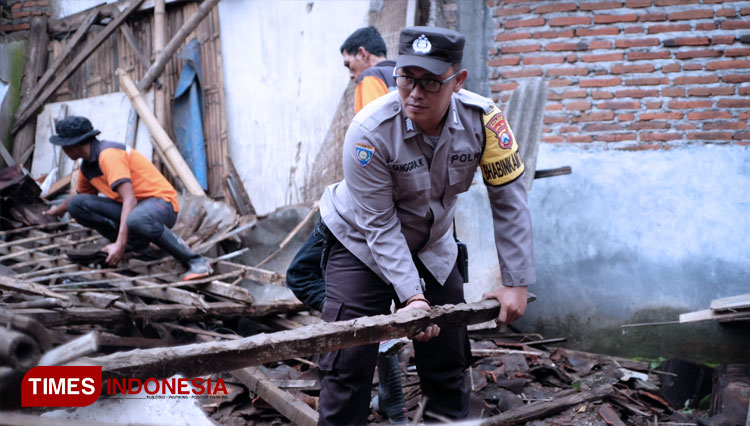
331,312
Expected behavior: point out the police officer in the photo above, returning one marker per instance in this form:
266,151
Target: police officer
406,157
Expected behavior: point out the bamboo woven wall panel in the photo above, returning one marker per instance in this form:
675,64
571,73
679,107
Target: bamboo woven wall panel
97,75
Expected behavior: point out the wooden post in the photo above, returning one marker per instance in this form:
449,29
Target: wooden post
160,36
63,75
36,62
171,154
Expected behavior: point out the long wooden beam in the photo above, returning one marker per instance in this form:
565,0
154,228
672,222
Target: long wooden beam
66,72
28,287
158,312
205,358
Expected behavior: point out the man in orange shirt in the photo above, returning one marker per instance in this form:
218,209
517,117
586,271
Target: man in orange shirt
140,205
364,55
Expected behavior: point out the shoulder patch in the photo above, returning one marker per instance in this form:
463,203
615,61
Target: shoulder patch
501,162
364,153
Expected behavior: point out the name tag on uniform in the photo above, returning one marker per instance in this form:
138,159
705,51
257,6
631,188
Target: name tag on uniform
409,166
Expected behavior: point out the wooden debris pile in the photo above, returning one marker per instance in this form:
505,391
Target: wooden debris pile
139,304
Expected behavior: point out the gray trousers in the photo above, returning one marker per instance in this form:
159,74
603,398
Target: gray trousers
145,223
353,291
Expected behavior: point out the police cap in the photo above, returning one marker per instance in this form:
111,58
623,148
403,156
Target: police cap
431,48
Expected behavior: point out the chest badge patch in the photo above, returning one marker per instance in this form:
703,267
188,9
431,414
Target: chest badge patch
364,153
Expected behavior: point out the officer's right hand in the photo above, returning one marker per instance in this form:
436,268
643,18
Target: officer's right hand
418,301
57,211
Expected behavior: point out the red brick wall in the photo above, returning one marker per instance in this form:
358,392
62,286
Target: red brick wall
21,13
636,73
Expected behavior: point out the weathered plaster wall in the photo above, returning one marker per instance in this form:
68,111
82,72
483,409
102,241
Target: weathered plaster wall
284,78
630,237
629,234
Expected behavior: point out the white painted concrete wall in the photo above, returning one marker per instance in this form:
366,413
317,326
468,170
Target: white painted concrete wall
283,77
108,113
631,230
626,232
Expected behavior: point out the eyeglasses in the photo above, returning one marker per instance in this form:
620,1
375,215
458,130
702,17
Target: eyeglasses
427,84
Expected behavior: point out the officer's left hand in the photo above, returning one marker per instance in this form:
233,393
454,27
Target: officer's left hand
115,252
512,302
432,330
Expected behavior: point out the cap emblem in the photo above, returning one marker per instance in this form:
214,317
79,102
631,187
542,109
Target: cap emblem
422,45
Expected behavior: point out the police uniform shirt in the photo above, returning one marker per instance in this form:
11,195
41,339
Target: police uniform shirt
395,202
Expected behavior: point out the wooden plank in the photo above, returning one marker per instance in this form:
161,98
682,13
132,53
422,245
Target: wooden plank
19,253
233,292
58,186
146,285
709,315
36,62
169,294
130,38
71,22
201,332
606,359
7,156
545,173
731,303
157,312
83,28
536,410
256,274
284,402
33,227
26,287
205,358
76,348
66,72
40,237
249,222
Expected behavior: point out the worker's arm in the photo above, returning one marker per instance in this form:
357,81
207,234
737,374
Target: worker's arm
502,170
83,187
116,250
60,209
